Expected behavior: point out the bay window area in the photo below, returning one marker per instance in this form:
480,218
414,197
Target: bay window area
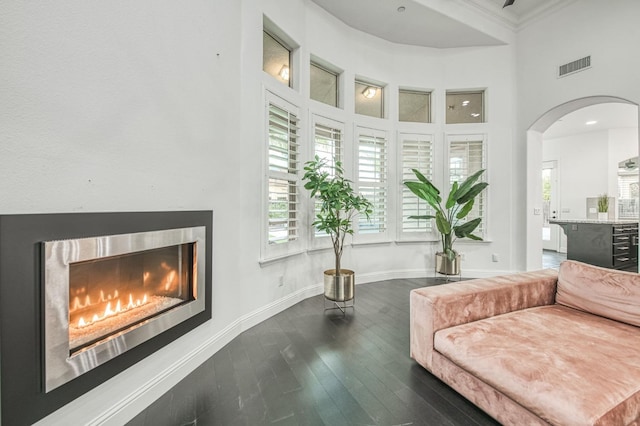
377,149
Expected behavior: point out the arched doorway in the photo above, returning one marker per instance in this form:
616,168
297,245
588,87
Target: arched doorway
534,170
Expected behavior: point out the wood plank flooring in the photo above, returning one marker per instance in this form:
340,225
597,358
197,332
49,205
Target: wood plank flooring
305,366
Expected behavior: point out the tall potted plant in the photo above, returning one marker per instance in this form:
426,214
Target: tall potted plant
451,218
339,205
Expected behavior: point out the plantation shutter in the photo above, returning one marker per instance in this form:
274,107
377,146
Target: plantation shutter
466,158
372,180
327,146
416,153
283,167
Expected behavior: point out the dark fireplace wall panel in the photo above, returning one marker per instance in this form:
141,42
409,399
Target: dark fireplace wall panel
21,304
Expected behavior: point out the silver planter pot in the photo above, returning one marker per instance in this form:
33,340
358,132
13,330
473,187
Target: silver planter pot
446,266
339,288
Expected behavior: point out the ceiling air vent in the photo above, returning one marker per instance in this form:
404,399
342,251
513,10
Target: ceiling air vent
575,66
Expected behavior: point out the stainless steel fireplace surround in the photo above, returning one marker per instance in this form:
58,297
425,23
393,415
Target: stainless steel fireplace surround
127,289
26,396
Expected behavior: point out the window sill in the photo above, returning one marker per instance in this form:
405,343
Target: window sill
270,260
371,243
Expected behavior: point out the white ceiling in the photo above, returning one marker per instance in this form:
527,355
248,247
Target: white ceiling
422,24
608,116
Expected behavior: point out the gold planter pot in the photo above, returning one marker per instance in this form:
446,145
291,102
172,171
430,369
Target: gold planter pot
446,266
339,288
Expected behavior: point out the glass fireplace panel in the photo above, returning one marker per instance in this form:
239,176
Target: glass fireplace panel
111,294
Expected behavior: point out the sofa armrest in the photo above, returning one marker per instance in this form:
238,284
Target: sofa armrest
443,306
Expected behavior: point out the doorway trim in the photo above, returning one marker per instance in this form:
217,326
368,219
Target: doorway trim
534,169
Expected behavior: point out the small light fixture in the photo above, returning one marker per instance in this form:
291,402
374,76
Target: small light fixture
591,122
465,103
369,92
475,115
402,9
284,73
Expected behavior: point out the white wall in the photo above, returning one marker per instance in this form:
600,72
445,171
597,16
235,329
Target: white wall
588,166
605,30
583,171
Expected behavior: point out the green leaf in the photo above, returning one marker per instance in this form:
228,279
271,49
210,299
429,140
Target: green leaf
467,228
465,209
451,201
444,227
467,184
423,217
424,192
475,190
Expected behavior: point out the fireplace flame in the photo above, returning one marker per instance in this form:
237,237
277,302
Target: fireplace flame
109,310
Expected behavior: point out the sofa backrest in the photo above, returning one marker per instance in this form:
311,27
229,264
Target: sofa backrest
604,292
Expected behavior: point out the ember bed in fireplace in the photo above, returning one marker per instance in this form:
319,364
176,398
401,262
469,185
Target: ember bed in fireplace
85,296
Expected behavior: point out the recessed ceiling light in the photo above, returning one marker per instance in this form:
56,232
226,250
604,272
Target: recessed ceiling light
591,122
402,9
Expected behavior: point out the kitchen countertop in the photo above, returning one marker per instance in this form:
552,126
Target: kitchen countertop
594,221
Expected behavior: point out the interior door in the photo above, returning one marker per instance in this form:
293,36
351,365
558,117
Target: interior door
550,232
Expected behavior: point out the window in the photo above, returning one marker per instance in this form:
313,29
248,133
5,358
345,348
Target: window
323,85
327,136
282,173
466,156
276,58
372,179
416,153
369,99
414,106
465,107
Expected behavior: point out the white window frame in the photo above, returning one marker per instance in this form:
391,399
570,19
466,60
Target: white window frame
425,143
271,251
482,232
317,240
382,183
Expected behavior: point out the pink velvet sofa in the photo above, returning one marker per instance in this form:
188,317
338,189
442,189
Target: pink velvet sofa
537,348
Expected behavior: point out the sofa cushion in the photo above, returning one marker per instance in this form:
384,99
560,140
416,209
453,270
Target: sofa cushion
605,292
564,365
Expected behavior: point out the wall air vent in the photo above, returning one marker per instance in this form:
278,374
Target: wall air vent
575,66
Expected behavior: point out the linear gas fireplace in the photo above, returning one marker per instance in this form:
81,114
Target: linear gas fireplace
107,294
85,296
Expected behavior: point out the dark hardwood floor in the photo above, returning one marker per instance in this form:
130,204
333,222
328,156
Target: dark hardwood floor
305,366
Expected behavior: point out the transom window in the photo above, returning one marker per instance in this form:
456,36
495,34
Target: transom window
276,58
323,85
465,107
414,106
369,99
